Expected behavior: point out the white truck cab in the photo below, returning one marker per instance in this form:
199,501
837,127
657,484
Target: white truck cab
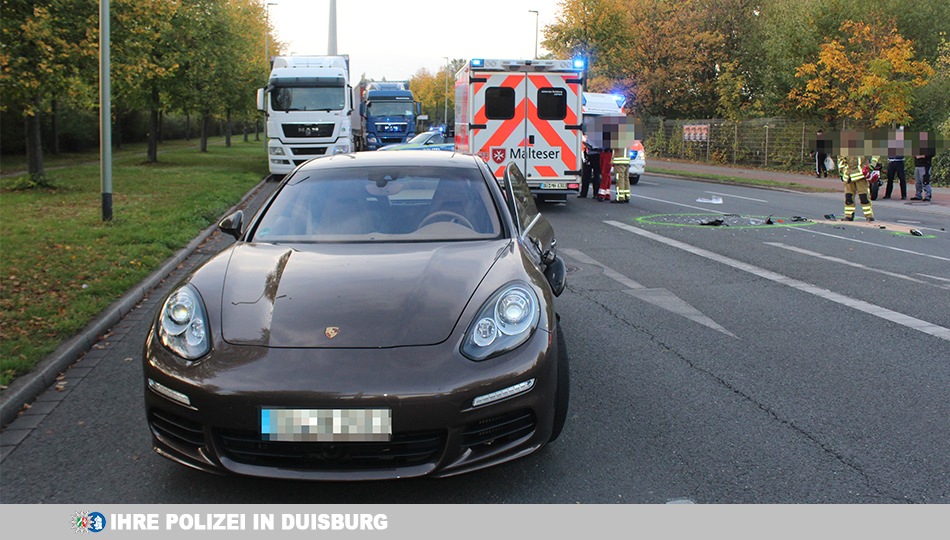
307,102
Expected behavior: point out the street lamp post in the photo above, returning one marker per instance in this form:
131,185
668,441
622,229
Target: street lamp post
267,31
535,31
445,109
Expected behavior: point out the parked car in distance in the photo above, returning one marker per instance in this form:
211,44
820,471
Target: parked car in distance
430,140
384,315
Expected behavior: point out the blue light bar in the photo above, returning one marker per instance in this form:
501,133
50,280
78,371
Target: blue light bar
478,62
578,63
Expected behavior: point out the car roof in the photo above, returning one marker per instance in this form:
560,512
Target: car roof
393,159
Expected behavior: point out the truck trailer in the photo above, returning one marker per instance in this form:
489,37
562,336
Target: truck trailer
387,114
307,102
526,111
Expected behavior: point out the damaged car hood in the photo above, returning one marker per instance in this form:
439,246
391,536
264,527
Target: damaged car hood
350,295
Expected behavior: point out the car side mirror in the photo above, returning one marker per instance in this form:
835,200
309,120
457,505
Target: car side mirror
233,224
556,273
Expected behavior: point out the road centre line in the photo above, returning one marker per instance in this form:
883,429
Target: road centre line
703,208
738,197
848,263
859,305
871,244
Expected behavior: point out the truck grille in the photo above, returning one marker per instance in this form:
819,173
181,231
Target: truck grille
307,130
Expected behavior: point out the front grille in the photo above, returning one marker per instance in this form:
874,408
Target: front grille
309,151
390,140
177,429
498,430
403,450
307,130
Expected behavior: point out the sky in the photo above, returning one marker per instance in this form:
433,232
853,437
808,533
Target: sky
393,39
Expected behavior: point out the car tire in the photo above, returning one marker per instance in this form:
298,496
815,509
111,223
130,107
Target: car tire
563,391
634,178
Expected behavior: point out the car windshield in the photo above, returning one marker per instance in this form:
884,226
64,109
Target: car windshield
381,204
425,137
321,98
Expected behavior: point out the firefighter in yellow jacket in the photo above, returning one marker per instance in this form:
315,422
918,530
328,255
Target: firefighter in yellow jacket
621,163
855,183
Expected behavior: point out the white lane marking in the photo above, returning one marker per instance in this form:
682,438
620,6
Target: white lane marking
703,208
672,303
845,262
809,229
859,305
658,297
737,197
648,183
609,272
933,277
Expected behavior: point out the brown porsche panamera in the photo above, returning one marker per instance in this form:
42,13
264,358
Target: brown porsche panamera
385,315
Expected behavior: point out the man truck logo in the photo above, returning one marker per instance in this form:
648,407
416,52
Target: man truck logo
498,155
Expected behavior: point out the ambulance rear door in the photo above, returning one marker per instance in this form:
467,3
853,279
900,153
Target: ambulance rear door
533,119
552,140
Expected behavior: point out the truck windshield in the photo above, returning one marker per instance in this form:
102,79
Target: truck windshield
391,108
290,98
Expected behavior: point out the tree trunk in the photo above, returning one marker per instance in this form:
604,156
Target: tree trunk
244,128
153,128
188,126
117,131
205,127
55,127
34,142
227,129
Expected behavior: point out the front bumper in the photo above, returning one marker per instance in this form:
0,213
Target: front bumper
430,390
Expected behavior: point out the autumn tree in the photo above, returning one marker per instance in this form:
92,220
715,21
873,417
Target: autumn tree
436,91
46,52
598,31
869,77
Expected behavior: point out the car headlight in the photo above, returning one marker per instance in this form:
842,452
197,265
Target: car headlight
503,323
276,150
183,324
342,149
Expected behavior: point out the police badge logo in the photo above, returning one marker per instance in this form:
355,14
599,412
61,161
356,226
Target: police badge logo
498,155
331,332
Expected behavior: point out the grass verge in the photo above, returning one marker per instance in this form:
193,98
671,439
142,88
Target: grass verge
62,265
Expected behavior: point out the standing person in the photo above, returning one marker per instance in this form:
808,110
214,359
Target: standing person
821,154
895,165
621,163
922,165
590,177
606,160
849,167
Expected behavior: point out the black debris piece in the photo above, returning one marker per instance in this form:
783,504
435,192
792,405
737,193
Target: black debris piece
715,222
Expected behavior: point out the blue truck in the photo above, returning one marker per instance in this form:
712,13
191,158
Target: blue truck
387,114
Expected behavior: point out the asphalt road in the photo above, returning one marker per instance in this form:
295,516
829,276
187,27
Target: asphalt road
745,362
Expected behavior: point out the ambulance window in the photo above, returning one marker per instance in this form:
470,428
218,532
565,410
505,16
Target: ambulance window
499,103
552,103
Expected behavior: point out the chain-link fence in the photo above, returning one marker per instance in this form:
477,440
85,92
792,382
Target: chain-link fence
768,143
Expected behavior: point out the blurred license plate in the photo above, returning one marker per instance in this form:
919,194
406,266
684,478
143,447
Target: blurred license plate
554,185
326,425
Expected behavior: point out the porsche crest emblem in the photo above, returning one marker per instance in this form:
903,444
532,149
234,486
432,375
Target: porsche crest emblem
331,332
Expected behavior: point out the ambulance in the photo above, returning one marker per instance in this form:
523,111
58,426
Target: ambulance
527,112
